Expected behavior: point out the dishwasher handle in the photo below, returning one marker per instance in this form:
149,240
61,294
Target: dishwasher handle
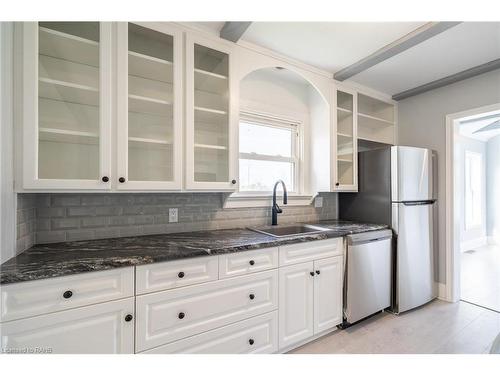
366,237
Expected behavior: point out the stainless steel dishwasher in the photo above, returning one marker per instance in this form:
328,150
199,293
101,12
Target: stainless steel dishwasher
368,275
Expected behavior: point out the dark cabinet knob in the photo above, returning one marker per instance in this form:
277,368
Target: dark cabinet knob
121,179
233,182
128,317
311,273
251,341
67,294
181,315
251,296
318,272
337,184
252,262
180,274
105,179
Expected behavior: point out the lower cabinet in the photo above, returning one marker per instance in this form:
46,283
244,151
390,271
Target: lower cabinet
310,299
104,328
252,336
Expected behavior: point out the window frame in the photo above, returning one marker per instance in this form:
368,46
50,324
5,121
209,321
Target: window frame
297,154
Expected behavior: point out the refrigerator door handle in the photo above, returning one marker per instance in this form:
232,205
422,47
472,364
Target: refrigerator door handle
420,203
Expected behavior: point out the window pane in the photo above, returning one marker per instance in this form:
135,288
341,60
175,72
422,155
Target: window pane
265,140
259,175
473,186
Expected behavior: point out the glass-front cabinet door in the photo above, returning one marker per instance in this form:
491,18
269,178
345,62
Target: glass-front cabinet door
346,142
66,105
149,116
210,163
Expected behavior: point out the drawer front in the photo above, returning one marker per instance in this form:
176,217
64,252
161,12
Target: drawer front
246,262
96,329
175,314
169,275
31,298
252,336
308,251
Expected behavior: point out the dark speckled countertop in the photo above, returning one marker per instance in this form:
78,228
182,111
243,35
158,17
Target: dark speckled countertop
68,258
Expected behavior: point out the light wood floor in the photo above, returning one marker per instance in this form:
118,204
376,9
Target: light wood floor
438,327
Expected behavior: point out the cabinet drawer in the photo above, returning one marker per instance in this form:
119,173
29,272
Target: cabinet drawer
307,251
174,314
96,329
251,336
169,275
30,298
246,262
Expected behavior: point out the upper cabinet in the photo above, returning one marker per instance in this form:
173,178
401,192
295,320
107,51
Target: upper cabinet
346,175
66,110
149,108
210,119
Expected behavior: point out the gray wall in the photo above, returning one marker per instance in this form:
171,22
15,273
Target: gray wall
422,121
493,188
73,217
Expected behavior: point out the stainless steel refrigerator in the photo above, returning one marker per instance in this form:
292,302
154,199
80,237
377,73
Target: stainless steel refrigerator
396,186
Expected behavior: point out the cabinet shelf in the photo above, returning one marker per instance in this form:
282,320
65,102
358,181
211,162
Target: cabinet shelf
137,142
68,136
68,47
343,135
210,82
147,105
68,92
344,110
150,67
374,122
211,147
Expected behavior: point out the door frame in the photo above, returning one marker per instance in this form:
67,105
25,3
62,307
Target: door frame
452,243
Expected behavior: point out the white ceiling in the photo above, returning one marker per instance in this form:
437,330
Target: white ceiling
335,45
468,128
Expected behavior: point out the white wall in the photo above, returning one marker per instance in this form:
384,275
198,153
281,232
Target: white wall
471,237
422,119
493,188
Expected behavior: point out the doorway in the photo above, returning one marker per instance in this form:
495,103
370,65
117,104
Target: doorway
473,165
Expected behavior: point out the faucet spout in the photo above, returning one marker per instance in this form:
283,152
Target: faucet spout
275,210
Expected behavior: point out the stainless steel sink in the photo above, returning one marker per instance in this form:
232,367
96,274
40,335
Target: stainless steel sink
290,230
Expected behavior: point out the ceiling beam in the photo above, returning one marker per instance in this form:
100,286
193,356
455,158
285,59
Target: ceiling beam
417,36
233,31
460,76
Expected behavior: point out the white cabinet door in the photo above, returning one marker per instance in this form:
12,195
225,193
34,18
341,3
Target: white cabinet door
97,329
346,141
296,284
149,101
327,293
211,122
67,111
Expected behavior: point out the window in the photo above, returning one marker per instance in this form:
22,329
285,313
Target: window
268,152
473,187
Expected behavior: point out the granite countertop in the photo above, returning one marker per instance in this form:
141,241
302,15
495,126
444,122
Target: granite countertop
68,258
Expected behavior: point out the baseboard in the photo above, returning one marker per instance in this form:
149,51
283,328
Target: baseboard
472,244
442,292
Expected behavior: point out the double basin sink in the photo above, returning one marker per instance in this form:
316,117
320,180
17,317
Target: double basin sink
290,230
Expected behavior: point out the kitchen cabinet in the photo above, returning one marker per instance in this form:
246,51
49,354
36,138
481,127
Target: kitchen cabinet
310,299
67,109
104,328
345,140
149,107
211,159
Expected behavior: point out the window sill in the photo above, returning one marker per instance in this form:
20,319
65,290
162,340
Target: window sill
245,200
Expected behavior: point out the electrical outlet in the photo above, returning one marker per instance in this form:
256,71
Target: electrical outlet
318,202
173,215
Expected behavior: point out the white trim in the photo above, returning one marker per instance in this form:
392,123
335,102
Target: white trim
442,292
452,244
473,244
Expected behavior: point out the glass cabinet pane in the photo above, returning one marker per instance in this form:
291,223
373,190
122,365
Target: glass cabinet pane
68,100
345,139
211,121
150,105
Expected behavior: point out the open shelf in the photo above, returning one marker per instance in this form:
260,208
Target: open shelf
372,121
150,67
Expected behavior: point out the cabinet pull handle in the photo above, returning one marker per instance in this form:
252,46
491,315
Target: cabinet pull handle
121,180
251,341
318,272
67,294
128,317
181,315
180,275
233,182
337,184
251,296
105,179
252,262
311,273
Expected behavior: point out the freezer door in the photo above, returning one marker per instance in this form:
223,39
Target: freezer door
413,225
411,174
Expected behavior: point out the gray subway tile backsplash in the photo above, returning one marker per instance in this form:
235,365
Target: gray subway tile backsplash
46,218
